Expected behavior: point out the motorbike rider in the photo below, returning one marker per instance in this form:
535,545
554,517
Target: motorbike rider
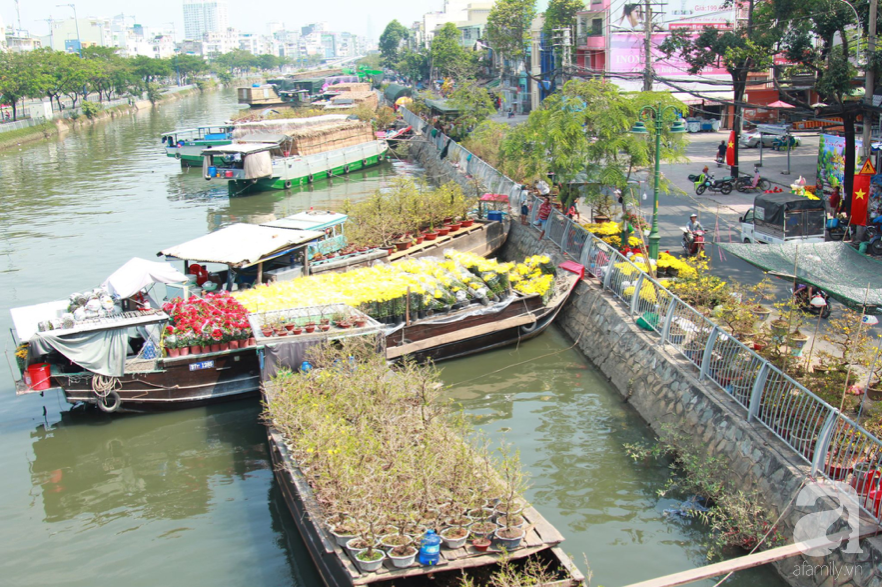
756,177
692,226
721,152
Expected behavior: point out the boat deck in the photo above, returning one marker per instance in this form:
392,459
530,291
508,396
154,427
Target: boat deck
439,243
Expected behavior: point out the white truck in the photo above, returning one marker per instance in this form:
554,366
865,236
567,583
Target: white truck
781,218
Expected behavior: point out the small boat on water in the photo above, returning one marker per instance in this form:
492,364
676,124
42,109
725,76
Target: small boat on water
187,145
294,153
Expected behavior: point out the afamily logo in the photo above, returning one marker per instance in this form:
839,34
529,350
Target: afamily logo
812,529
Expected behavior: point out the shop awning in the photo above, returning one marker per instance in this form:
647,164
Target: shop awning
442,106
241,245
835,267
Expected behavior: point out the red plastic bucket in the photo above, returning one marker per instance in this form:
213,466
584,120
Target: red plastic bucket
37,376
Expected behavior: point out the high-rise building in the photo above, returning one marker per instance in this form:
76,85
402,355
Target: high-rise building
204,16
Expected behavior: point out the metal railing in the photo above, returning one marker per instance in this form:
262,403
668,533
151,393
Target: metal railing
820,435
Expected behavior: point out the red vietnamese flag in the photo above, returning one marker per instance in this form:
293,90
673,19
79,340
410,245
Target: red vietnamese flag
730,150
859,199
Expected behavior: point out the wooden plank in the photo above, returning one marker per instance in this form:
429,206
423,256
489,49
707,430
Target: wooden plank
395,352
441,240
549,533
576,576
751,560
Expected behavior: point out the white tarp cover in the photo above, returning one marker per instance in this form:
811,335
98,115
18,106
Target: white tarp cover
140,273
258,165
99,351
27,318
241,148
240,245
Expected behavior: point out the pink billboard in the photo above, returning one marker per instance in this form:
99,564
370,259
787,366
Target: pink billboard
626,56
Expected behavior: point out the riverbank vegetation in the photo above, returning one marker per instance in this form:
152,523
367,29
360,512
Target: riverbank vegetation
45,73
386,456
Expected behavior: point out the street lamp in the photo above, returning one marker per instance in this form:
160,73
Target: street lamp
76,24
656,114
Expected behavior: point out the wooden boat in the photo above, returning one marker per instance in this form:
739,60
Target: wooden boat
469,330
337,569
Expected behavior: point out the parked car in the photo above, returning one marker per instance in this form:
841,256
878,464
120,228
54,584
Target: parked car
752,138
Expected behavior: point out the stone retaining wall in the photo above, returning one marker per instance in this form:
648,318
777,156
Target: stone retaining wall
664,389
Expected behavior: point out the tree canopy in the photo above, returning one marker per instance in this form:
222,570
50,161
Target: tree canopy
561,13
390,42
449,57
508,27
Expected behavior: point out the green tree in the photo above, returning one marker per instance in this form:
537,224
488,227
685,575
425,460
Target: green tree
189,66
508,27
18,79
149,69
474,104
448,57
741,51
561,13
390,42
582,133
413,65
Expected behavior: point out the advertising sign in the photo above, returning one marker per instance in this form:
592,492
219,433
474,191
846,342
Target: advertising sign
678,14
831,159
626,56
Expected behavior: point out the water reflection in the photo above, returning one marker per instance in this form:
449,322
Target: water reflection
103,466
569,425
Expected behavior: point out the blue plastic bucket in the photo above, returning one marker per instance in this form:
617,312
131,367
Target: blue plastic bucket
212,171
494,215
832,222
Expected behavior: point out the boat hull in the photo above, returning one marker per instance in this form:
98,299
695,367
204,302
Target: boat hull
292,172
177,383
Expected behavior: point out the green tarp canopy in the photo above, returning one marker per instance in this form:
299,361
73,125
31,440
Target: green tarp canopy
835,267
395,91
442,107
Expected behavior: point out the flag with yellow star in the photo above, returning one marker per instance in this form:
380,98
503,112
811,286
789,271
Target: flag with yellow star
859,199
730,150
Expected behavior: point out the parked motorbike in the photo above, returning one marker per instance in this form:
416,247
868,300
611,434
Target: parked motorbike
706,181
744,184
692,247
836,229
804,296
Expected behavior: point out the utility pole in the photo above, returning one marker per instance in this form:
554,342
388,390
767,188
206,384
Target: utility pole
870,86
563,39
647,46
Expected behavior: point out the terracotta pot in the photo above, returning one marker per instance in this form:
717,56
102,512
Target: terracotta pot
402,245
172,353
251,342
467,223
454,227
289,327
443,231
224,346
324,327
215,347
184,352
430,236
195,349
481,544
297,330
600,219
281,332
420,239
267,332
310,329
234,345
448,220
359,323
343,324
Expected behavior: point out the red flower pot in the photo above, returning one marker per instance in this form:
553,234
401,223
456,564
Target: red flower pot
297,330
324,327
420,239
224,346
443,231
196,349
251,342
172,353
359,323
184,352
454,227
310,329
430,236
215,347
234,345
282,332
402,245
467,223
267,332
289,327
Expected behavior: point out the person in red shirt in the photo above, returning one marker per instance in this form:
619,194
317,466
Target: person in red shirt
543,214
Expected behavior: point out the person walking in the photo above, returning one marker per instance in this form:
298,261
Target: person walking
542,215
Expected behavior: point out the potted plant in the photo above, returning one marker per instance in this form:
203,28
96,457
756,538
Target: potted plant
403,556
171,346
345,531
309,327
515,484
481,544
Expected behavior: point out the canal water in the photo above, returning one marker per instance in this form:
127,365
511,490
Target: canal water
188,497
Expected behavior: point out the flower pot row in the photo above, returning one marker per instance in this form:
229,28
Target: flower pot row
294,330
212,348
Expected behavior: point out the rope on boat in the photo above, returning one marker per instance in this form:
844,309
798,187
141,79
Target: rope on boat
102,385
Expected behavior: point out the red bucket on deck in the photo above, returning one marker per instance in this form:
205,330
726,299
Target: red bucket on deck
37,376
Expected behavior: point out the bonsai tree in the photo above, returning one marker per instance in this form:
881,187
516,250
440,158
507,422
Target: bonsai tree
514,481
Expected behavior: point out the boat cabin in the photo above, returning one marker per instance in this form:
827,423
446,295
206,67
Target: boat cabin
251,158
251,254
201,135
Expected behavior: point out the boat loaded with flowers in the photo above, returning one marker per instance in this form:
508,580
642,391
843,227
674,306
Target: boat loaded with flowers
375,468
432,308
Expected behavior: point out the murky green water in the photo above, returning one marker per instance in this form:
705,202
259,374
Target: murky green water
188,498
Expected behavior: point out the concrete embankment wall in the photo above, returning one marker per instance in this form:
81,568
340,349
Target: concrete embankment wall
664,389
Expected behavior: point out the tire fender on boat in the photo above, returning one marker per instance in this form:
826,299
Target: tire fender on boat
346,168
364,162
529,328
177,155
287,184
114,404
309,178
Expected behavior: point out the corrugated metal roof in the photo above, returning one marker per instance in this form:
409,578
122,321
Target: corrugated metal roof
244,148
315,220
241,245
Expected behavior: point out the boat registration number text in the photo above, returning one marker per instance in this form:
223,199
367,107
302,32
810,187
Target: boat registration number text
201,365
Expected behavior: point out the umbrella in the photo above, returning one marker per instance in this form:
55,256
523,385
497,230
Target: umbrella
780,104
